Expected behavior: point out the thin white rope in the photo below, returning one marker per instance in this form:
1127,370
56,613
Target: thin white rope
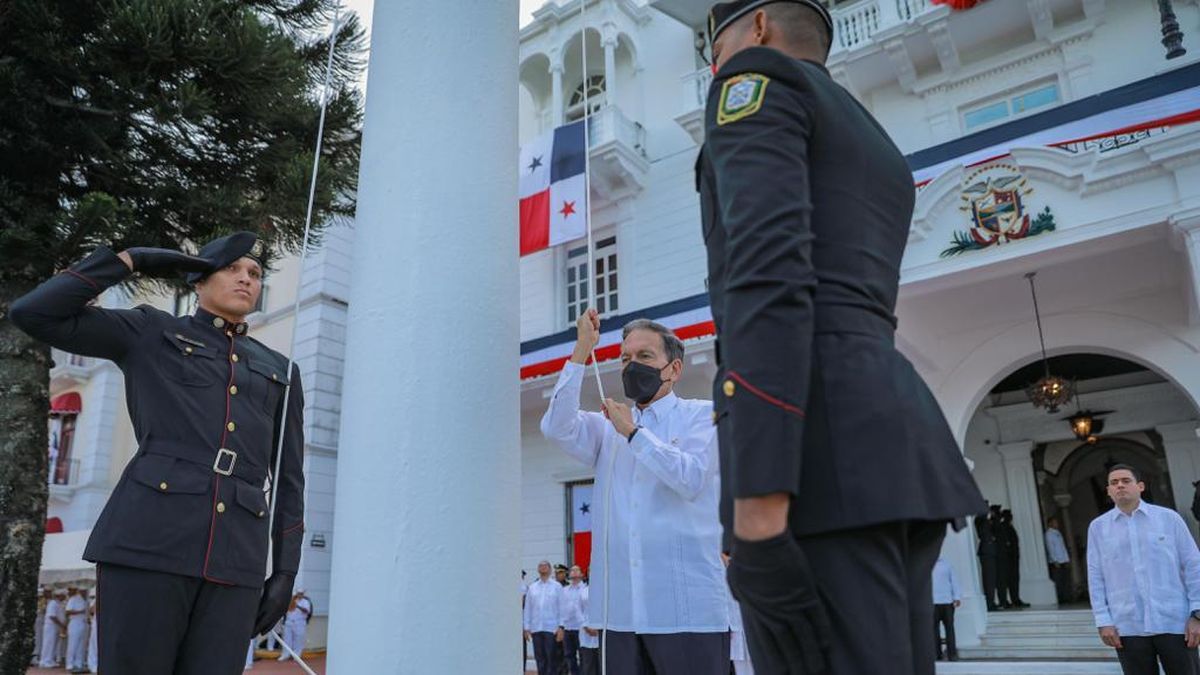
287,391
591,246
295,657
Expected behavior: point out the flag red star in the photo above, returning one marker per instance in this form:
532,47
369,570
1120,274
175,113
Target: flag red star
567,209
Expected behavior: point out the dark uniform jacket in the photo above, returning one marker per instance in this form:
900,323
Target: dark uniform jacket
806,206
194,385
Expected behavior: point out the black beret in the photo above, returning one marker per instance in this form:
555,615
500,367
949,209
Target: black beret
724,13
223,251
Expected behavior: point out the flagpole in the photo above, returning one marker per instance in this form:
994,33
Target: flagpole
591,246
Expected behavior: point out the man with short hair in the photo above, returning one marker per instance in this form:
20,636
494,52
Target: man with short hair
1060,560
1010,562
947,596
656,487
295,624
1144,581
542,620
575,597
77,624
806,208
54,630
182,544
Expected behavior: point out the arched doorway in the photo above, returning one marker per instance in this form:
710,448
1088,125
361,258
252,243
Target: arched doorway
1029,460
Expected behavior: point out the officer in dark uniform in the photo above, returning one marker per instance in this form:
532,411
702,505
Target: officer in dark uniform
182,544
838,469
1009,546
988,553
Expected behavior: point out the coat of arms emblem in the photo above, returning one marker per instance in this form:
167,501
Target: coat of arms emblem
994,197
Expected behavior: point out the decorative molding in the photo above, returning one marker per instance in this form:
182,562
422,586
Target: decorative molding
1041,17
906,71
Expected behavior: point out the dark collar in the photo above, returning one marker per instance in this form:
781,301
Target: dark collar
229,328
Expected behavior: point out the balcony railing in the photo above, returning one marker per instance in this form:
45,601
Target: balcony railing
64,472
609,124
695,87
857,23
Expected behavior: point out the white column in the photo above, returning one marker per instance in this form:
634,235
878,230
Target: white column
1182,449
970,621
426,531
556,95
1036,587
610,65
1078,564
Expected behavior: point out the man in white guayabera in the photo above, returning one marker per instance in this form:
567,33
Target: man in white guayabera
656,506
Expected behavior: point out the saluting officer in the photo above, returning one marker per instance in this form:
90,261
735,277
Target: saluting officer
182,543
839,471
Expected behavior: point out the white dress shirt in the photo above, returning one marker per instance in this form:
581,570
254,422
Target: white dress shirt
1143,571
76,604
543,606
945,585
1056,548
585,640
574,606
666,574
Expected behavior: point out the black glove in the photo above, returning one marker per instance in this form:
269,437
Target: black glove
163,262
277,595
786,623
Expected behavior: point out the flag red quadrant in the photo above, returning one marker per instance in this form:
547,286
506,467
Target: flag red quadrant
552,192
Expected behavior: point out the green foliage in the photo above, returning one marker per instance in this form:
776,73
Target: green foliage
167,123
961,244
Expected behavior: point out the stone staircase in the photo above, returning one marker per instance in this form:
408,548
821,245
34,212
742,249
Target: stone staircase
1042,634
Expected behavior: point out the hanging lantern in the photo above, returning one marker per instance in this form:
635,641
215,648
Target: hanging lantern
1087,424
1051,391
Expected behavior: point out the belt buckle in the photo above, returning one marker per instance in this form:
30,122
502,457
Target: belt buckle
221,453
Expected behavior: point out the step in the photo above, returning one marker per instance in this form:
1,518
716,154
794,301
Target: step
1036,628
1047,667
1086,641
1039,615
984,651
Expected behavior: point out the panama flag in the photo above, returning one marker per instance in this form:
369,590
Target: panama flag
553,189
581,525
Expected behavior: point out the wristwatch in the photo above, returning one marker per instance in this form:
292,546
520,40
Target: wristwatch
633,433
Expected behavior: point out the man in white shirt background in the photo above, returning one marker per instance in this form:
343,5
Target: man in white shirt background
542,620
947,596
55,629
1060,561
1144,581
295,623
657,494
575,596
77,626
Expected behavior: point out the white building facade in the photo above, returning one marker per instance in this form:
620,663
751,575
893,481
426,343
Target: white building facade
1045,135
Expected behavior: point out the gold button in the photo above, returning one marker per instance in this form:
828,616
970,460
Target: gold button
220,507
729,387
219,322
261,514
162,486
233,390
187,350
234,358
274,376
231,426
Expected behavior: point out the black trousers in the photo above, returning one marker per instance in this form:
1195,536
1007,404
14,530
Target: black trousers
546,653
667,654
154,623
589,661
943,618
875,576
987,570
1061,574
570,645
1141,655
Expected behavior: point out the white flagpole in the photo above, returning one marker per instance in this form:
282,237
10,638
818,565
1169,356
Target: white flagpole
312,191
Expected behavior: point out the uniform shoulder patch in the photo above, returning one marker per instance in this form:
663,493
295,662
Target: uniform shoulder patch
741,97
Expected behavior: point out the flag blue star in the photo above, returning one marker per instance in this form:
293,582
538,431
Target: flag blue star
585,508
537,161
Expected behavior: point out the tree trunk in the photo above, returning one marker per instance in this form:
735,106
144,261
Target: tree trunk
24,401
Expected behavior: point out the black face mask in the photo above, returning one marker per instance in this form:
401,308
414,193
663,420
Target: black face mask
641,381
